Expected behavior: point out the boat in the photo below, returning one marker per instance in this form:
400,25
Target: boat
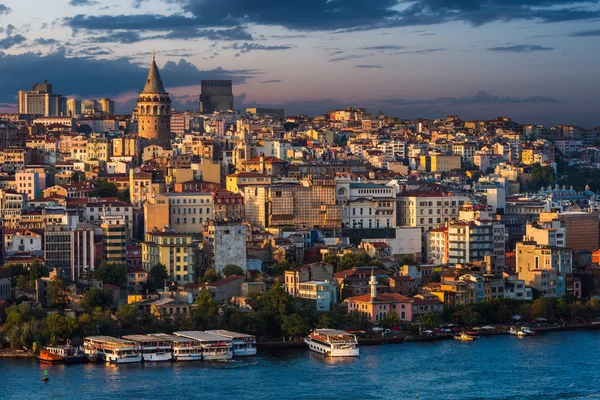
528,331
213,347
465,337
517,332
66,354
333,343
154,349
243,345
113,350
184,349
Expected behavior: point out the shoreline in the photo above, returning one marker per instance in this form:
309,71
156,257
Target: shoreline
370,341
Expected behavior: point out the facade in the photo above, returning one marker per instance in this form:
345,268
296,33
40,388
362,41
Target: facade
176,251
184,212
321,272
377,307
225,243
440,162
114,239
366,205
577,222
216,95
154,110
5,284
530,256
322,293
429,208
471,241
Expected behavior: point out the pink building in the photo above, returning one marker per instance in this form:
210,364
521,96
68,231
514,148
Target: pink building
378,306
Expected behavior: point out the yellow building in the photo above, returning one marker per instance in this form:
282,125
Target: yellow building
456,293
174,250
440,162
237,182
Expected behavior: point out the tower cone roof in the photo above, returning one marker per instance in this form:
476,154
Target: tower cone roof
154,82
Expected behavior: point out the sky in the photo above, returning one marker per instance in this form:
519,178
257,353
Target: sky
535,61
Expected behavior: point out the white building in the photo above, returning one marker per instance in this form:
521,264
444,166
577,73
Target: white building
225,243
367,205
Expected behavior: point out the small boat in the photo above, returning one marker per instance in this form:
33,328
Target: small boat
62,355
333,343
45,378
517,332
465,337
528,331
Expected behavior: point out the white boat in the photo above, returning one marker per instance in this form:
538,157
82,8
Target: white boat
333,343
517,332
214,347
154,349
243,345
113,350
184,349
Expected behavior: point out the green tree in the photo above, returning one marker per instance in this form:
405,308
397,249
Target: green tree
112,273
294,326
124,195
331,258
95,297
36,271
210,276
351,260
24,325
428,321
232,269
61,327
390,321
104,188
158,275
58,290
541,176
206,310
542,308
128,318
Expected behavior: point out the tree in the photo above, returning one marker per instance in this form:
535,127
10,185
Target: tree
351,260
428,321
58,290
36,271
95,297
542,308
24,325
541,176
232,269
128,318
390,321
210,276
158,275
104,188
294,326
331,258
112,273
124,195
61,327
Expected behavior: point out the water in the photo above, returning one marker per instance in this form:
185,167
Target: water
551,366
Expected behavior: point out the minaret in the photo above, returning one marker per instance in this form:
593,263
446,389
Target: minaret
373,284
154,109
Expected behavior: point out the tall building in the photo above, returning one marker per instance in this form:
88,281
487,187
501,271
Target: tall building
216,95
114,238
224,243
107,106
73,107
40,100
176,251
154,110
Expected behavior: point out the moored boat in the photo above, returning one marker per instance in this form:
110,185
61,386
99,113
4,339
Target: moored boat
465,337
113,350
214,347
66,354
333,343
154,348
184,349
243,345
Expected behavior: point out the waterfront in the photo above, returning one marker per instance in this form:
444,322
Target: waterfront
560,365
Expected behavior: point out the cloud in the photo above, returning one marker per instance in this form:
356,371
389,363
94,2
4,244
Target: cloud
4,9
45,42
248,47
11,41
521,48
424,51
384,47
592,32
481,97
349,57
340,15
80,3
369,66
82,75
272,81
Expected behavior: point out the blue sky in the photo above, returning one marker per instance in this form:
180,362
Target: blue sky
533,60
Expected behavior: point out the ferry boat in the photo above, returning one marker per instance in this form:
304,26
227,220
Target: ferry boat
184,349
62,355
333,343
214,347
154,349
243,345
465,337
114,350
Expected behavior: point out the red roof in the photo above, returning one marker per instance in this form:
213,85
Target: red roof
224,281
382,298
268,159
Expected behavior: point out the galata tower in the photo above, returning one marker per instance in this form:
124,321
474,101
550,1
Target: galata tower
154,110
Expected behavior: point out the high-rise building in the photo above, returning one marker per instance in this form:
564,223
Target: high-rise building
114,239
216,95
107,106
40,100
154,110
73,107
